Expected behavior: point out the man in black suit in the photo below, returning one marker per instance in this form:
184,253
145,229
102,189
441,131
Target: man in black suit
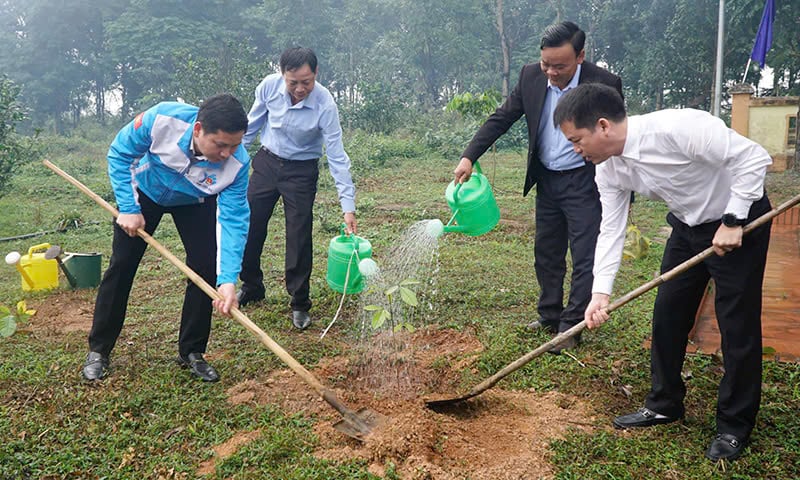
568,208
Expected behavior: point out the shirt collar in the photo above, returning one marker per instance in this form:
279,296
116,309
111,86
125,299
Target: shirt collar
192,150
632,140
572,83
308,102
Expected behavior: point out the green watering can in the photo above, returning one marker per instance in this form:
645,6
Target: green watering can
474,207
347,257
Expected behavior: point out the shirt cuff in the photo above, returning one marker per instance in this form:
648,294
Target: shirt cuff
739,207
603,284
348,205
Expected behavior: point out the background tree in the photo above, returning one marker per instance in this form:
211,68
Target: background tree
13,150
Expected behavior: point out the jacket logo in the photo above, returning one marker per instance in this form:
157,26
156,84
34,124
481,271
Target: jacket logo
137,122
208,179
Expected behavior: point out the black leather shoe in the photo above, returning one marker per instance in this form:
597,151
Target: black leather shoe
537,324
644,417
301,319
198,366
244,297
569,344
95,367
725,447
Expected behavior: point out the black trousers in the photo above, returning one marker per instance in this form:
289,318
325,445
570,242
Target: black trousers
568,214
296,182
738,278
196,225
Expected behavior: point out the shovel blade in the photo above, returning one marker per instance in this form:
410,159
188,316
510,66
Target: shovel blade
442,404
360,424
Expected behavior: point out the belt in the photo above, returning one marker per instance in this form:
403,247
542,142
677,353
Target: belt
271,154
565,172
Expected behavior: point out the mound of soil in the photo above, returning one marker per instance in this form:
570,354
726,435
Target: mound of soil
498,435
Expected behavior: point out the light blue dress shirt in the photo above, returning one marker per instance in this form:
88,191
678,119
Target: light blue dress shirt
555,151
298,132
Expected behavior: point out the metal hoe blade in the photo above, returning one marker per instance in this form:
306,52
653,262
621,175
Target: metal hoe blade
54,252
359,424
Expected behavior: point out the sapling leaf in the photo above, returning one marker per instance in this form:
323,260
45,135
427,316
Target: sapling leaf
372,308
408,282
408,296
8,325
391,290
379,318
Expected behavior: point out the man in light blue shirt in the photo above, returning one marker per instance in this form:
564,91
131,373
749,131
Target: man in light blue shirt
296,117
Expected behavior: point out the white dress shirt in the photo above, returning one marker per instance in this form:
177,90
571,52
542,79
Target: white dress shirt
687,158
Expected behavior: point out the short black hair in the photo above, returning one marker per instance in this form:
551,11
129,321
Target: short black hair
585,104
561,33
296,57
222,112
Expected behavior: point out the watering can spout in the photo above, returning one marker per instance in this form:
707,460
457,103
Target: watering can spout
455,229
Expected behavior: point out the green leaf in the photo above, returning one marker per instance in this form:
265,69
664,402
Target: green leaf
390,291
7,326
380,318
373,308
397,327
4,310
408,282
768,351
408,296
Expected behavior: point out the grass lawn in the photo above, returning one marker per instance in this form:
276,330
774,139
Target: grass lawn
150,420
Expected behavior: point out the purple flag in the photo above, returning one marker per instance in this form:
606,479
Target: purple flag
764,35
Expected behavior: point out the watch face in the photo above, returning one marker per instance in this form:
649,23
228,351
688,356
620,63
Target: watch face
730,220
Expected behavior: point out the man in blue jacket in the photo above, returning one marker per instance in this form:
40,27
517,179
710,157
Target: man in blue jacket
189,162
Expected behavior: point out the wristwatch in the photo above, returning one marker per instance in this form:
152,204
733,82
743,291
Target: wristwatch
730,220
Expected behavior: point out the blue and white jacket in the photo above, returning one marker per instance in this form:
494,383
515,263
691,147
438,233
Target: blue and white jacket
152,153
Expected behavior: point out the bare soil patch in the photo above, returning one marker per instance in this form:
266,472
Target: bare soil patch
498,435
62,312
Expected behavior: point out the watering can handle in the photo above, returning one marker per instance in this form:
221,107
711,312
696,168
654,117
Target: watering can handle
41,246
477,167
353,237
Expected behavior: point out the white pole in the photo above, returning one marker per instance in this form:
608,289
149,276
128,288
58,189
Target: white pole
715,110
746,69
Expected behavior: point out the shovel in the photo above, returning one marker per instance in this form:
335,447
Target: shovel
55,252
353,424
434,403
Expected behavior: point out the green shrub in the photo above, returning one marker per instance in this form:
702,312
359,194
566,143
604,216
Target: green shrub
371,151
14,149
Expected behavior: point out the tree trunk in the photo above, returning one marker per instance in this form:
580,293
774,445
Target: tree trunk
504,48
659,97
796,162
100,101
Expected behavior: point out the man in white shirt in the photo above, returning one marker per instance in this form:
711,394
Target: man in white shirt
712,179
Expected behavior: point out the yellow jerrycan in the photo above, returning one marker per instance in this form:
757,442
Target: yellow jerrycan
42,272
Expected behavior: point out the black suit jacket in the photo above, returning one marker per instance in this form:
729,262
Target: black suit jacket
528,98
